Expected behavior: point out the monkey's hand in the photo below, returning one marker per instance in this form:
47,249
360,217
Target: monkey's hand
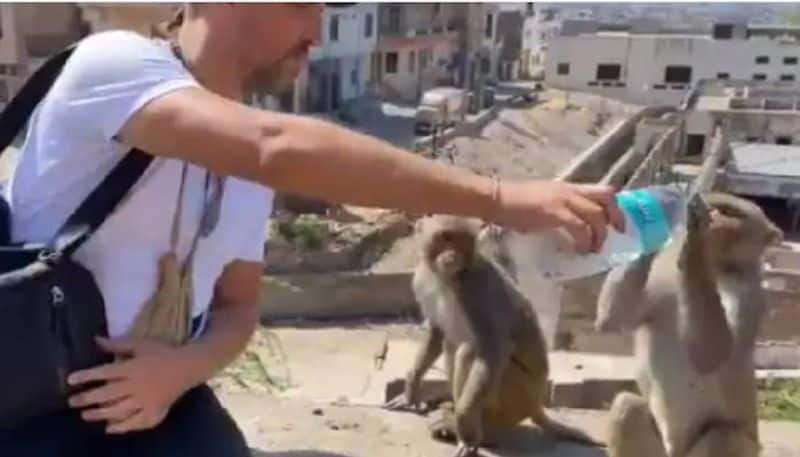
698,220
698,215
402,402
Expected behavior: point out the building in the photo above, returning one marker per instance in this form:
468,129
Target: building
509,42
340,68
418,47
761,125
646,63
29,33
541,24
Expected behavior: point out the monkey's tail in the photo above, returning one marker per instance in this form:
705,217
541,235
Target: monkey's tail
563,431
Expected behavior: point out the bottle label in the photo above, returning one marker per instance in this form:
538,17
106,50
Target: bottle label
646,213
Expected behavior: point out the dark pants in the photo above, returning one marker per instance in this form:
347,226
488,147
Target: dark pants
197,425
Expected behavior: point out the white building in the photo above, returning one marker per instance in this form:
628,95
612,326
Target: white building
418,47
340,68
645,63
541,25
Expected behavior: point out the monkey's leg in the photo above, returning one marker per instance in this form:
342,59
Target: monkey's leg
481,378
632,431
723,440
428,353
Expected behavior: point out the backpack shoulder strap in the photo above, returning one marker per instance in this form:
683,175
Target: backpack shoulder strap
91,213
19,109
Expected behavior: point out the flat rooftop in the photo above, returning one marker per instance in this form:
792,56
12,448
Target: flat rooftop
766,159
745,95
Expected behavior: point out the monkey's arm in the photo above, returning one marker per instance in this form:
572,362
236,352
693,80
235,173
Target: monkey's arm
427,354
621,294
748,312
702,323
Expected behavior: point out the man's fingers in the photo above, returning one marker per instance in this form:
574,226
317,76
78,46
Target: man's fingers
106,372
113,412
136,421
121,346
109,392
577,229
605,196
592,214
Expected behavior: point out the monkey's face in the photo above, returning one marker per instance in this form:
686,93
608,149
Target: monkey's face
448,244
739,232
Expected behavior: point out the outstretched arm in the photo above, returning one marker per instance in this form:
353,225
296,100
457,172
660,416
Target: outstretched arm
321,160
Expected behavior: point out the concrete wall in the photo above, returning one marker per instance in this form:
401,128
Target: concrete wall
644,58
422,32
537,31
408,82
30,32
352,39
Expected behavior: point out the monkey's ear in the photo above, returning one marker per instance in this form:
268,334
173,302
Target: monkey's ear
775,236
418,225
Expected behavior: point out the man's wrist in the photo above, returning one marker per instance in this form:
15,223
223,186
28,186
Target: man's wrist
486,189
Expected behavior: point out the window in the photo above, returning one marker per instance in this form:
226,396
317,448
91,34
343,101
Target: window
759,77
333,30
485,66
529,8
368,26
787,77
790,60
723,76
563,69
608,71
695,144
489,25
762,60
412,60
678,74
437,9
723,31
424,58
391,62
784,140
394,19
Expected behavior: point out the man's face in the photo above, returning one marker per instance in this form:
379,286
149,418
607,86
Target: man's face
274,41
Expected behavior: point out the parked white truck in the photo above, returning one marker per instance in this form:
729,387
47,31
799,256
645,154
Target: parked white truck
440,107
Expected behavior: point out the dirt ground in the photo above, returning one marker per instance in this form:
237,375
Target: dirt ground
328,383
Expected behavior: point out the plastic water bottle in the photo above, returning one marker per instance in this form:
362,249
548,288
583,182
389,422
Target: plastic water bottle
652,214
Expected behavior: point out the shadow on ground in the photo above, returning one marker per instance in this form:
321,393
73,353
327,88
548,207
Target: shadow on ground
302,453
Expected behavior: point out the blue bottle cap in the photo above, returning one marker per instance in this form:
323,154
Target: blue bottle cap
644,209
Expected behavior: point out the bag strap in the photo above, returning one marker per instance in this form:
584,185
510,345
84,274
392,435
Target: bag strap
100,203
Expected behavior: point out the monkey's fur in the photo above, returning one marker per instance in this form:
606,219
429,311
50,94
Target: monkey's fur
696,307
495,356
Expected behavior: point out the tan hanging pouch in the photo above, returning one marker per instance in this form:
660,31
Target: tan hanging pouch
166,316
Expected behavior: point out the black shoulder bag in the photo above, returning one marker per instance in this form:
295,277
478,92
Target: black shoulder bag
50,306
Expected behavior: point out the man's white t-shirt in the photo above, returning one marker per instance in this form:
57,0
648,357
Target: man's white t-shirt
71,146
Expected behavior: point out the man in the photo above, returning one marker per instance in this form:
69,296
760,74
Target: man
182,104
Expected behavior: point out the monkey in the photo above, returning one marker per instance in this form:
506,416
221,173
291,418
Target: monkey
495,355
695,308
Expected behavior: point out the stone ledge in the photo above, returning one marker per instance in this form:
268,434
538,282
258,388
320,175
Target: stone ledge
336,295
